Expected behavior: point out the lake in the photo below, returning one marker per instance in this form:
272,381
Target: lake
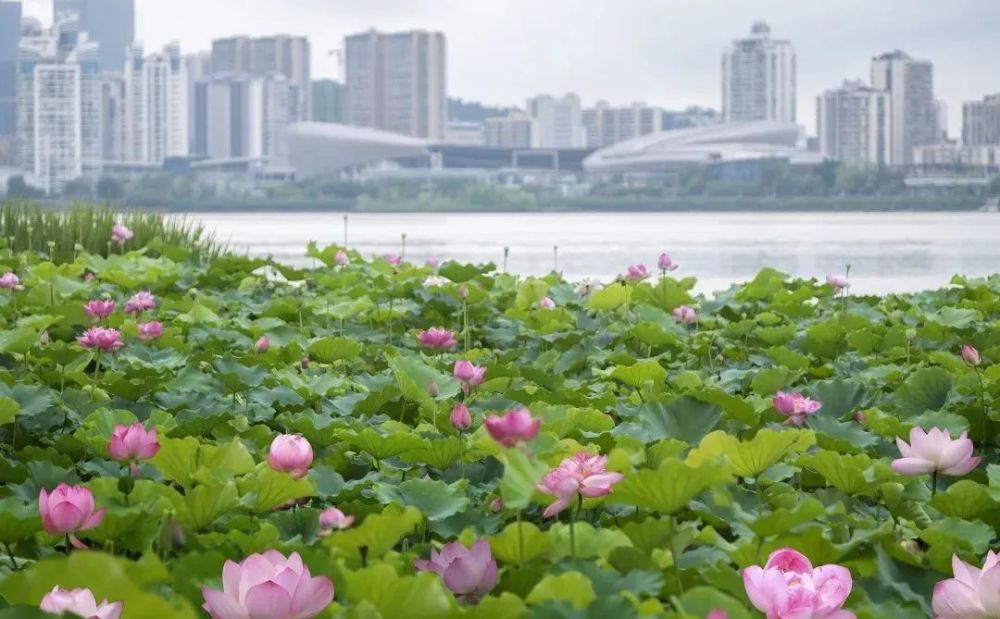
888,252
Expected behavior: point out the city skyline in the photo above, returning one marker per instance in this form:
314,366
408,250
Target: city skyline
673,63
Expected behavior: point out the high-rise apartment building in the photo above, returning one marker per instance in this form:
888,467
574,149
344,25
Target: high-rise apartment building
156,105
242,116
558,122
111,23
981,122
605,125
198,67
59,104
282,54
10,35
940,120
759,78
516,130
329,100
396,82
113,117
854,124
914,116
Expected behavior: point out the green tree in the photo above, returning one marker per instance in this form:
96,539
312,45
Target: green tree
79,189
18,188
108,189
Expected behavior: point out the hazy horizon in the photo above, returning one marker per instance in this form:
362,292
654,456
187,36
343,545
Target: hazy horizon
665,53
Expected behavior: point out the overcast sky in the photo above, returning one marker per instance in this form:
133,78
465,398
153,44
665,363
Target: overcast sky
664,52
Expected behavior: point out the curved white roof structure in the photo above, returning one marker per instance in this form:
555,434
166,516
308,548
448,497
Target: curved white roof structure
318,148
743,141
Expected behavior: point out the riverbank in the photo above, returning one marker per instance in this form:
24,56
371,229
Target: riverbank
859,204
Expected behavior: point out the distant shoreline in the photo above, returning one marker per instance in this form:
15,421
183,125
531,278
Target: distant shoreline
577,205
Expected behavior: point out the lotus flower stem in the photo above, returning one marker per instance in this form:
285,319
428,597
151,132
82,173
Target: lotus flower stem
392,302
402,248
574,514
461,453
982,402
520,540
555,258
345,231
843,294
506,252
934,477
676,554
10,554
465,323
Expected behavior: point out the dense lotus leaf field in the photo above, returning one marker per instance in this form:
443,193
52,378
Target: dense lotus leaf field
375,438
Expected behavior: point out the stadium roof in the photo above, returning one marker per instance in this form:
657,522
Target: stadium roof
710,144
317,148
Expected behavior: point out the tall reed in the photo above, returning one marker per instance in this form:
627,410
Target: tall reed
25,226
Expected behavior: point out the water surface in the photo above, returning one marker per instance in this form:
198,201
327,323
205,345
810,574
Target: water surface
888,252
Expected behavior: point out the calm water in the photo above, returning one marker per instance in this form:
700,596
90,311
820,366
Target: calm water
887,251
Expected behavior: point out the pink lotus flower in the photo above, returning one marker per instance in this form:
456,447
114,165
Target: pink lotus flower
469,573
44,338
789,588
88,276
105,340
268,586
665,263
584,475
514,427
460,418
496,505
547,303
972,594
837,282
685,315
68,509
140,302
133,443
795,406
290,453
121,233
79,602
149,331
332,518
636,273
717,613
437,338
99,308
9,281
935,451
971,356
341,258
304,363
393,259
432,262
469,374
263,344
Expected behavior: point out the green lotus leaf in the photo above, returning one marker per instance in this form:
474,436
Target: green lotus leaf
669,488
377,533
435,499
571,587
753,457
927,389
